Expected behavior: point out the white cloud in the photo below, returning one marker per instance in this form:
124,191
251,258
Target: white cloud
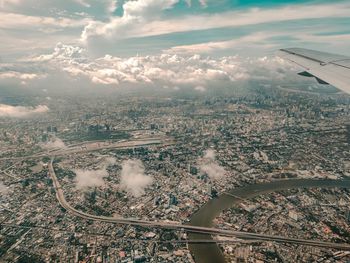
111,5
67,8
34,25
61,53
4,3
144,18
20,76
272,69
208,165
86,179
23,33
255,40
20,21
213,170
14,74
135,14
21,111
242,18
23,73
89,178
133,178
164,69
175,71
332,40
200,88
54,143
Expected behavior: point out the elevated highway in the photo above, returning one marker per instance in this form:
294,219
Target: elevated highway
189,228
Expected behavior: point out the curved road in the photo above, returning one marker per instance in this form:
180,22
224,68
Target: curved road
188,228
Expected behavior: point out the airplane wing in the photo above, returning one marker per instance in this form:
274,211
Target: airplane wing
327,68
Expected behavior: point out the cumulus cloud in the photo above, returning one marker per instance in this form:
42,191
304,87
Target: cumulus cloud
182,70
133,178
61,53
21,111
21,72
86,179
172,71
273,69
213,170
163,69
21,77
208,165
135,14
89,178
185,72
54,144
97,26
18,75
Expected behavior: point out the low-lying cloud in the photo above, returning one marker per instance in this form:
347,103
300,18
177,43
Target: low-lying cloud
198,72
69,64
21,111
55,143
163,69
208,165
133,178
3,189
86,179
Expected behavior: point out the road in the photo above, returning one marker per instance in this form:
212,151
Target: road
97,146
189,228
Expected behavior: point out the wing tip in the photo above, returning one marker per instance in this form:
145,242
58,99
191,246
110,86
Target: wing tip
291,50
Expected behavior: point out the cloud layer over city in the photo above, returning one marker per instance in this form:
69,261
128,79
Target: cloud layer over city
171,44
167,70
21,111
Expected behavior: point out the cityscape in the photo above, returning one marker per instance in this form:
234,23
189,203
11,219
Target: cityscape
162,160
174,131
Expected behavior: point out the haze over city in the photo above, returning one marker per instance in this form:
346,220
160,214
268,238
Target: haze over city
174,131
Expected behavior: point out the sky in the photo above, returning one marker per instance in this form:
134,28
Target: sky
172,44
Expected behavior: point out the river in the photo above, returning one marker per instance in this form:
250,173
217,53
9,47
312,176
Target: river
210,253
